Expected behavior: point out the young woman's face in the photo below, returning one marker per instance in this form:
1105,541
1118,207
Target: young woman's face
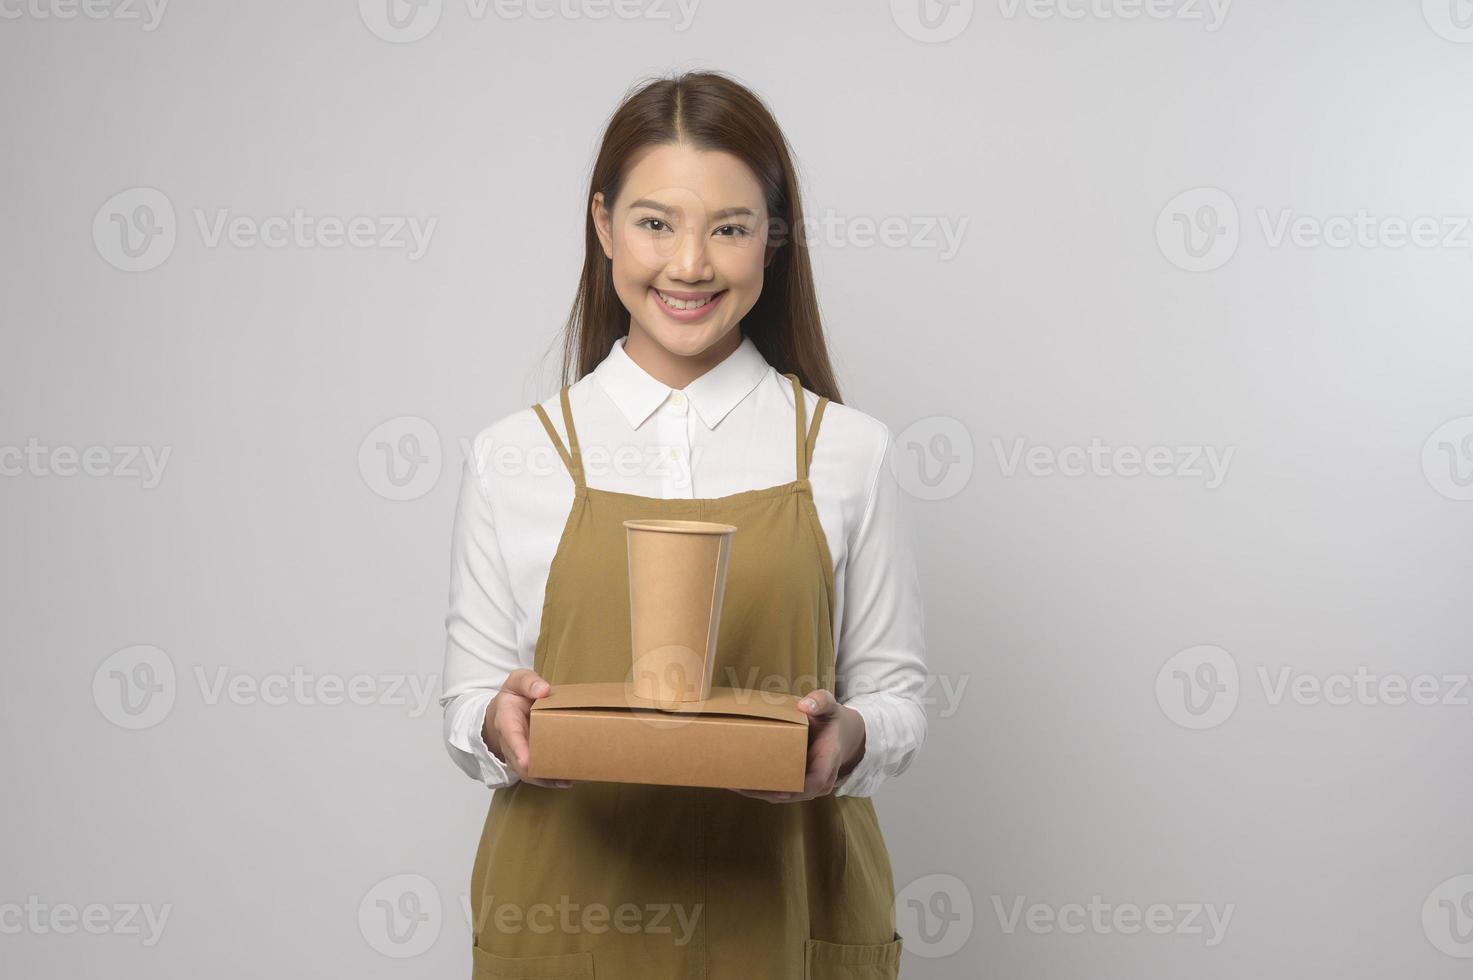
688,240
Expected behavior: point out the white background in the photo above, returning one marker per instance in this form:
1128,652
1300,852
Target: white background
1072,151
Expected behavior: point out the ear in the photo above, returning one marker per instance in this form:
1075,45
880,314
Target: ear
601,224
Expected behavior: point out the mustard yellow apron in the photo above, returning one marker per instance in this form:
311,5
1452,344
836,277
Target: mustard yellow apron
619,881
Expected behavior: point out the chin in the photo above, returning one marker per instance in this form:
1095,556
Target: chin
686,344
687,340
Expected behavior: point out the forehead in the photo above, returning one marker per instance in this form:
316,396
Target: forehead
681,176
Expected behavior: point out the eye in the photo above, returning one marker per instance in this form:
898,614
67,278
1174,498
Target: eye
649,222
740,232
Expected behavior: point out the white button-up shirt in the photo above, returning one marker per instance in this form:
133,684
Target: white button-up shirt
729,430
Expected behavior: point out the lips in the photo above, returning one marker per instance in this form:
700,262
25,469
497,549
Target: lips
675,299
686,307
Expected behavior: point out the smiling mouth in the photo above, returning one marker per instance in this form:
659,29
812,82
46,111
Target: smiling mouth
687,302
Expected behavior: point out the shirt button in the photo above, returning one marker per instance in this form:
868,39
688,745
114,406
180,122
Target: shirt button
675,453
677,401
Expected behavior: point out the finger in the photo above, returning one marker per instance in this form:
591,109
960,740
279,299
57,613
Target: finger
818,704
823,758
823,753
768,796
823,737
527,682
823,770
511,724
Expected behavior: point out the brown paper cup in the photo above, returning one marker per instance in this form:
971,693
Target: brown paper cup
677,576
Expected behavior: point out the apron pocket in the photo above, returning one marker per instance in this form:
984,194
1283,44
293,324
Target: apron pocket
561,966
844,961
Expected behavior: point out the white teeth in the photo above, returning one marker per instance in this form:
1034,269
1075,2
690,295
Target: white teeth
684,304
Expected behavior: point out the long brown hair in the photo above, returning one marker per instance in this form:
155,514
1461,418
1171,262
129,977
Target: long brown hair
708,111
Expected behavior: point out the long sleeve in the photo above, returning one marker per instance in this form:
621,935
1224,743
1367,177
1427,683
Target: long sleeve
880,668
480,631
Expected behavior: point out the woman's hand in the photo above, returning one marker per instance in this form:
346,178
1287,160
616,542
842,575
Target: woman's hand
509,719
835,746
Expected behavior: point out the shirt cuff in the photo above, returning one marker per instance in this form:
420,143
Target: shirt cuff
464,723
868,773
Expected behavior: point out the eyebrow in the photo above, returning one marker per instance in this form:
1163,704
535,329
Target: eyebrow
645,202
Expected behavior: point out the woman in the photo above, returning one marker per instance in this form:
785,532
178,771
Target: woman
701,364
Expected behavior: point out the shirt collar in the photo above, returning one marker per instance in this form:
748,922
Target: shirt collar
712,395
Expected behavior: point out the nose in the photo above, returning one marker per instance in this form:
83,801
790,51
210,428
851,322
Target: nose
689,262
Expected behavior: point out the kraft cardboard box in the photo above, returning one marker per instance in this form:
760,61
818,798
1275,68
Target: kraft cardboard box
734,739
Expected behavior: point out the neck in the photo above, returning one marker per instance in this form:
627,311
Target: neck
677,370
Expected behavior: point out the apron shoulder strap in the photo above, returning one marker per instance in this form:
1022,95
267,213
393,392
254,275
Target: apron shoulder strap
804,450
572,460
